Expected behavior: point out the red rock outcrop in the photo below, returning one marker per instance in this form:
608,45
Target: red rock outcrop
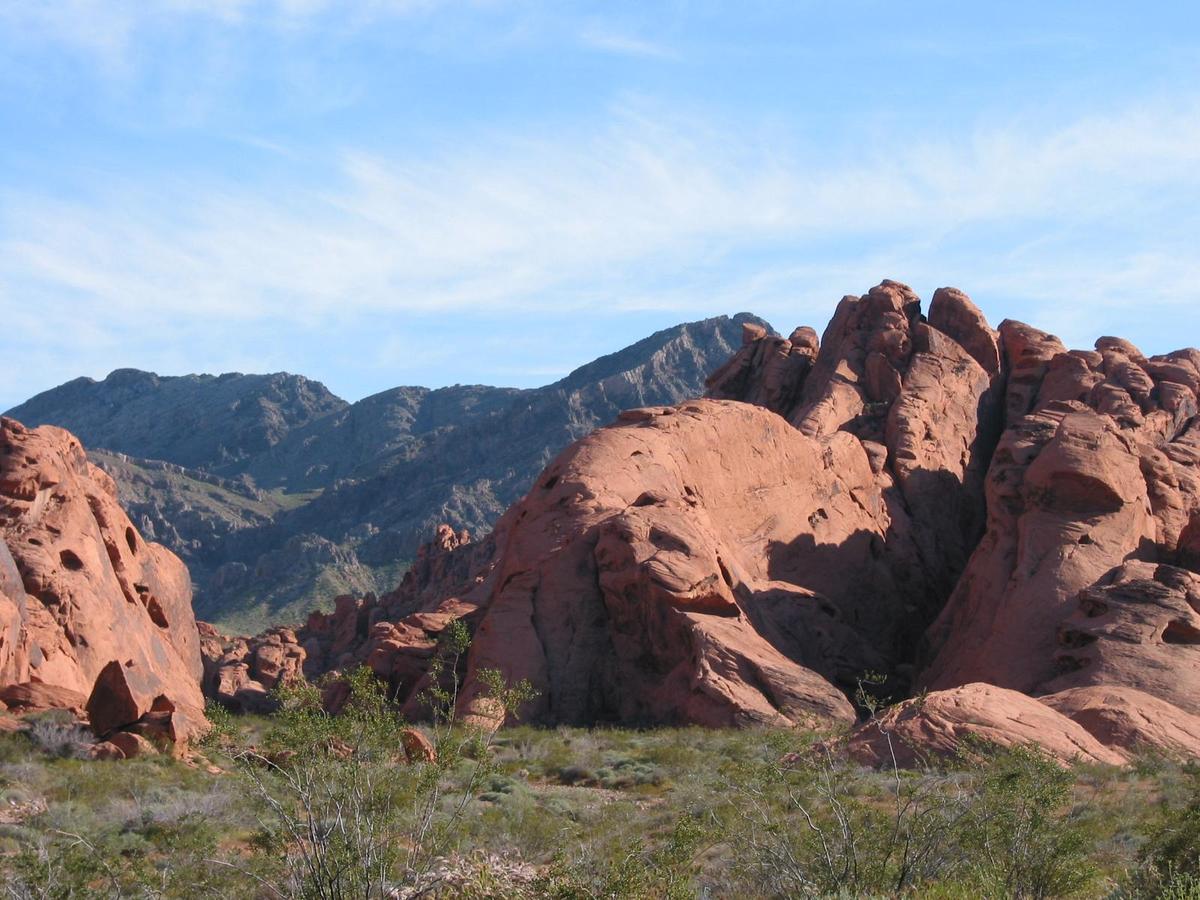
88,610
1091,494
1130,720
721,562
395,635
925,728
980,511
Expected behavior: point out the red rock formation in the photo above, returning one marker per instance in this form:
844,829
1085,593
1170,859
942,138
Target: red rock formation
1099,467
240,672
712,563
1130,720
910,492
88,610
391,634
925,728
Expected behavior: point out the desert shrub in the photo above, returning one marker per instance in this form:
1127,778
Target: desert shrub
1168,862
666,871
1018,837
624,773
56,733
1174,840
812,823
343,813
575,774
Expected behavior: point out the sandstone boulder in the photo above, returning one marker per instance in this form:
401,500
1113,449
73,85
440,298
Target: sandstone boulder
934,725
1130,720
82,592
132,745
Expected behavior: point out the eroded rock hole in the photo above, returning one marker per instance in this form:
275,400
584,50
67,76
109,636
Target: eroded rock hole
70,560
725,573
1181,632
157,616
1075,639
1066,664
131,540
664,540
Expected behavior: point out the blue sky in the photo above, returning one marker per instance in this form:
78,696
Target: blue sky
424,191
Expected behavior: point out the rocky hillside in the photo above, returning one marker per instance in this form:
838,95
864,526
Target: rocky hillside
979,512
280,496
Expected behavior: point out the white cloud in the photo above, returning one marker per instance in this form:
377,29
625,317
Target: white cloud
648,213
525,223
110,31
603,38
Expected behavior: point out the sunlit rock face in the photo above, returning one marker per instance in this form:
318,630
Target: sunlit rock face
979,512
92,617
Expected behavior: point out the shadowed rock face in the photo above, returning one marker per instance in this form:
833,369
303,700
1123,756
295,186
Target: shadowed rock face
1091,495
87,607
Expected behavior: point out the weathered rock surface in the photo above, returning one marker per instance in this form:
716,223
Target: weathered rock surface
720,562
90,613
920,730
1090,496
1137,627
976,510
1130,720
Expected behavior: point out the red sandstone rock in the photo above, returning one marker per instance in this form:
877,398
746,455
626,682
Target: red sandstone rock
1137,627
389,634
747,557
132,745
105,750
417,747
33,697
921,730
1130,720
80,589
1094,484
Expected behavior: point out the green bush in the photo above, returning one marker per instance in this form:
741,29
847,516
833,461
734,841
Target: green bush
342,811
811,823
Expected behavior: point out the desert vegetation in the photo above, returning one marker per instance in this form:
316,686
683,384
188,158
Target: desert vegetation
310,805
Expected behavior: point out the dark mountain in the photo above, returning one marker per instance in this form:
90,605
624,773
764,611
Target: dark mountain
211,422
280,495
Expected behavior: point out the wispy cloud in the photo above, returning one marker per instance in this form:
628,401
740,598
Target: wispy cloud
527,222
608,40
650,212
110,31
